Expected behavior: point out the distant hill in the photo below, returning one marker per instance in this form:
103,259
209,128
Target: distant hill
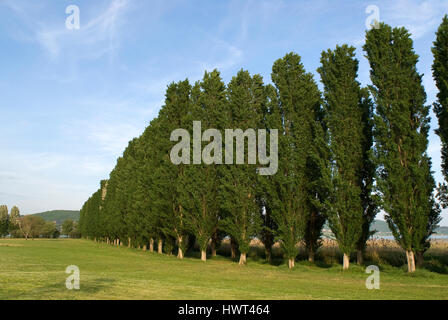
59,216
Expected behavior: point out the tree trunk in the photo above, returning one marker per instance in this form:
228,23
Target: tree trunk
291,263
346,261
410,260
160,246
203,255
151,245
232,249
360,257
213,246
419,260
107,240
311,255
268,253
144,248
129,242
243,260
180,253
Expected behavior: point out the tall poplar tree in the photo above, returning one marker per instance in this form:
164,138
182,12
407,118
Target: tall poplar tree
404,177
115,204
369,200
350,141
89,221
199,196
292,189
237,193
145,193
271,119
319,185
156,216
133,215
168,175
440,74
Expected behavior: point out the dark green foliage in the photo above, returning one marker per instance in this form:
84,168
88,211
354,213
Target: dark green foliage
325,161
150,198
369,201
145,215
199,197
241,220
292,191
270,120
167,177
348,116
404,179
89,220
440,74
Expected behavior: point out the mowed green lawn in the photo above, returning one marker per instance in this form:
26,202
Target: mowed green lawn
36,270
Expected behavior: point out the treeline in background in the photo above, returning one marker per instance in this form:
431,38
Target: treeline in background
14,225
344,154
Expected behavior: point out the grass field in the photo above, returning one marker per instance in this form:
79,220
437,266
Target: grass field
36,270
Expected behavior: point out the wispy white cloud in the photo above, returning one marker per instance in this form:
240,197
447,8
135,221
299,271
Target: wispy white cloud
112,137
419,17
104,124
152,86
95,38
222,56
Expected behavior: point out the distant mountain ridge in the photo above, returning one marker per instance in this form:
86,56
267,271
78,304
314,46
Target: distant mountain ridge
59,216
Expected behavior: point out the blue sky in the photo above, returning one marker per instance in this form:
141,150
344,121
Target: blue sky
70,100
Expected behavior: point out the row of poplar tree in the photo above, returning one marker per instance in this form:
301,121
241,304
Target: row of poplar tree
343,155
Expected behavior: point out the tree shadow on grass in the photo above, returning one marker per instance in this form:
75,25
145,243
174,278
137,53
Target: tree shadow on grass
96,285
275,261
54,290
322,264
437,266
